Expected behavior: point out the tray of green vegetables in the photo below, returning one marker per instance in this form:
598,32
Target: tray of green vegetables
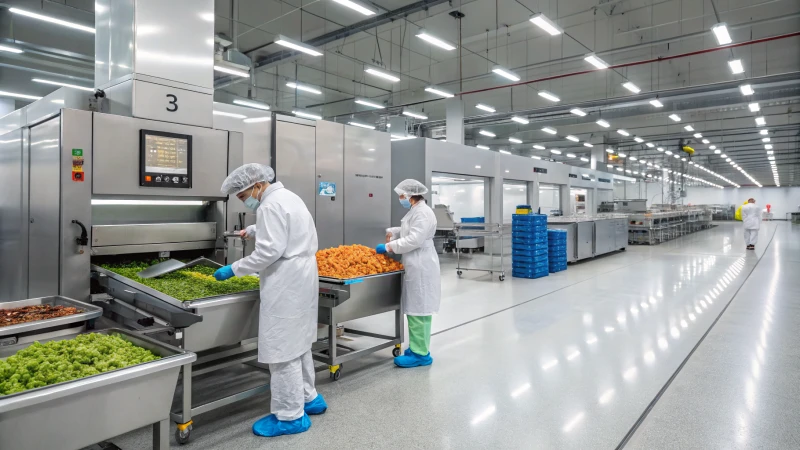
188,284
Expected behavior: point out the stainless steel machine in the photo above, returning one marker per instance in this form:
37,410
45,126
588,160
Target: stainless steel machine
592,236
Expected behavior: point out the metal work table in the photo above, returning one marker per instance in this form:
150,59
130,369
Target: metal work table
38,330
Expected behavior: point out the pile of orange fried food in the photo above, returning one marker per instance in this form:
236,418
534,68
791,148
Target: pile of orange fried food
352,261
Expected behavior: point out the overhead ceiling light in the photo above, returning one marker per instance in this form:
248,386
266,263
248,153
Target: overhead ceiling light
661,149
717,151
676,156
638,139
577,112
250,104
427,37
505,73
650,144
592,59
763,132
257,119
675,117
620,169
555,152
761,121
754,107
44,18
603,123
633,158
58,83
24,96
668,153
570,155
656,103
227,114
766,139
721,33
381,74
487,133
746,89
584,159
231,71
301,87
482,147
362,125
631,87
736,66
550,130
610,150
688,128
549,95
770,152
697,135
768,146
296,45
712,147
485,107
536,157
588,144
521,120
307,115
505,152
5,48
356,7
723,156
622,155
439,91
541,21
515,140
369,103
705,141
538,147
414,114
573,138
623,132
727,160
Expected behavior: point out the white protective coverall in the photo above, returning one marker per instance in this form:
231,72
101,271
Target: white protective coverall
285,259
751,219
422,287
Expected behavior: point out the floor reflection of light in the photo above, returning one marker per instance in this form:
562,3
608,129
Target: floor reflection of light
634,310
606,396
629,374
649,357
644,305
574,421
609,329
760,353
663,344
692,317
698,310
652,300
675,332
591,339
684,324
703,304
659,294
484,415
621,318
587,319
750,394
550,364
521,390
756,369
573,355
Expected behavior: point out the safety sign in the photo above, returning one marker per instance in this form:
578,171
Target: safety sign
327,189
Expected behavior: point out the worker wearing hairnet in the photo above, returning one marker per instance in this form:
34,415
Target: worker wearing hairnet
751,219
422,288
285,259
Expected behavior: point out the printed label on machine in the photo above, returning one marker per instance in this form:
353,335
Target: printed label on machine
327,189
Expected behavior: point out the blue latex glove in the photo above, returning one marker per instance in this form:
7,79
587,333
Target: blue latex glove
381,249
223,273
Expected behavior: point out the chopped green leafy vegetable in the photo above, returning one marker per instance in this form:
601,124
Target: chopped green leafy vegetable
185,284
57,361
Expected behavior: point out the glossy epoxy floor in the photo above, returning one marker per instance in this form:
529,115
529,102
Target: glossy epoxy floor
572,360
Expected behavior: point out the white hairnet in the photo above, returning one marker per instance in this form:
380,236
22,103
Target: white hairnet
246,176
410,188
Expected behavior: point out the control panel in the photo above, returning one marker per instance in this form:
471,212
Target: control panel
165,159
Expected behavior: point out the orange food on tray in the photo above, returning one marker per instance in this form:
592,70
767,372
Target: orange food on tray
352,261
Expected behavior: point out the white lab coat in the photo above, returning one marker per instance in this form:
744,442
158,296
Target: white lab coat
751,216
285,259
422,286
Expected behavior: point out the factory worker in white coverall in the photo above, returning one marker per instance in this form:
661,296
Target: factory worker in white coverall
751,219
422,289
285,259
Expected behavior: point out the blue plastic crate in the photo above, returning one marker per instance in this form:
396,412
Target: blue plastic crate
529,275
524,248
530,258
527,240
530,217
530,266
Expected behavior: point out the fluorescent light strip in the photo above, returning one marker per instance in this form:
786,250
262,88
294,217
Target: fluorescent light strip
721,33
638,139
549,95
229,71
761,121
257,120
227,114
754,107
437,91
362,125
541,21
296,45
4,48
415,115
549,130
515,140
688,128
422,34
44,18
592,59
623,132
573,138
588,144
505,73
364,102
487,133
697,135
307,115
746,89
13,94
736,66
675,117
485,107
58,83
482,147
250,104
355,7
631,87
97,201
384,75
538,147
577,112
555,152
603,123
521,120
656,103
301,87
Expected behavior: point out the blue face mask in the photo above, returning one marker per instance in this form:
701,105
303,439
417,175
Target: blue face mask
405,202
252,202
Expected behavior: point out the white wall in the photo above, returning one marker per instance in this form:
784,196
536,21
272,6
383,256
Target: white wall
513,195
782,199
653,192
464,199
549,198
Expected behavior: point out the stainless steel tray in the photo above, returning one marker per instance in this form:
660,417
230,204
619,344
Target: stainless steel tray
88,410
89,312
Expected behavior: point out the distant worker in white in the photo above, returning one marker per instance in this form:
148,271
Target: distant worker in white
285,259
422,288
751,219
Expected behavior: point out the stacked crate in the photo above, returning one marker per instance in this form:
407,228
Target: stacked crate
529,246
557,250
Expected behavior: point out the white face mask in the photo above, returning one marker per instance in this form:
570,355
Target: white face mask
252,202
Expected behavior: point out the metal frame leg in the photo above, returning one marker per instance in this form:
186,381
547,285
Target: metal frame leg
161,435
399,326
186,395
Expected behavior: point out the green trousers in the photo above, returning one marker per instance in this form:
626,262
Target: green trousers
419,334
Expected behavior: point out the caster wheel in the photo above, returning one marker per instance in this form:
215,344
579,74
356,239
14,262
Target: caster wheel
459,273
336,375
182,436
396,352
502,277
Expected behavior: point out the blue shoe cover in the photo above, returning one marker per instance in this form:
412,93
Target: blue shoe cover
270,426
316,406
413,360
408,352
